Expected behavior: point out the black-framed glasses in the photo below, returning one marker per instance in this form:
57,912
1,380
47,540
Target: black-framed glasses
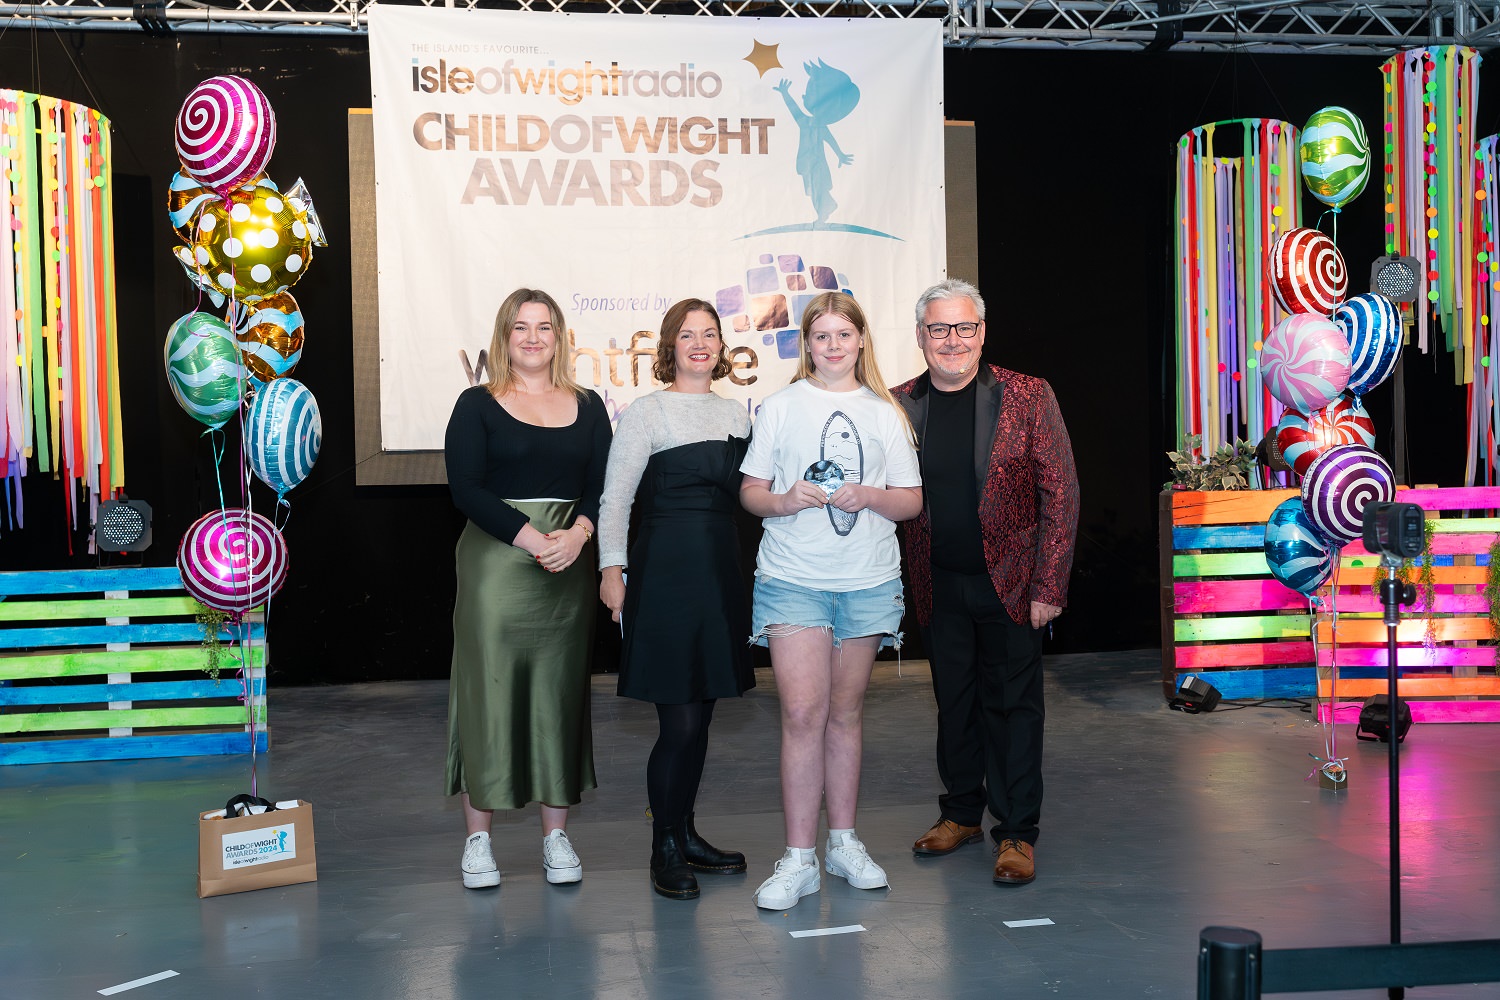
940,331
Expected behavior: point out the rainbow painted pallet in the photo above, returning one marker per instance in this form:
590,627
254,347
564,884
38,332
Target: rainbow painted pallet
92,670
1227,620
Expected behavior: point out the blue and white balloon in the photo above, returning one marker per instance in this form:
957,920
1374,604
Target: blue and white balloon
1299,555
1372,325
283,434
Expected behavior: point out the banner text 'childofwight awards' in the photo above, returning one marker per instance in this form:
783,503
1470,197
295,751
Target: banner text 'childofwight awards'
684,148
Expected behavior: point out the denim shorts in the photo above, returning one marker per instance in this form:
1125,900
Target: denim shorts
848,615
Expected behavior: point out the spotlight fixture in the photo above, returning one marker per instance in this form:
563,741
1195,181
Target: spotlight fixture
151,15
1195,695
1397,278
123,526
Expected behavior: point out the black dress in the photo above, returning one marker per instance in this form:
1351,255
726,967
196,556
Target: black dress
686,616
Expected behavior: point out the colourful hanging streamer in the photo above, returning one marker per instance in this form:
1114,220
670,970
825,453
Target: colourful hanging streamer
1430,98
1229,212
1484,390
60,408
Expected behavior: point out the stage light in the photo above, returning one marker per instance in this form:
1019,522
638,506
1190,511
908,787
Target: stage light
1195,695
151,15
123,526
1397,278
1375,719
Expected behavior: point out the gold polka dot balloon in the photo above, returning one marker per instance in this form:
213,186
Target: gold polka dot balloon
186,200
253,245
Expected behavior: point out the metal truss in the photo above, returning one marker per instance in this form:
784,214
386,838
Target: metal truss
1363,28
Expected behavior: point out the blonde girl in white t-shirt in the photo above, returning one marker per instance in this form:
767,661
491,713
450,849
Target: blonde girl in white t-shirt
831,468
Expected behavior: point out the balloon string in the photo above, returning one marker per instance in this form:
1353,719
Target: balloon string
218,444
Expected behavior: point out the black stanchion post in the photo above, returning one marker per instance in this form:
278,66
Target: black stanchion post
1228,964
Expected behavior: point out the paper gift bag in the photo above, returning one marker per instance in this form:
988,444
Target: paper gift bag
256,850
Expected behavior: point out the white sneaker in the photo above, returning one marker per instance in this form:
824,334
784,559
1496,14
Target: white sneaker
479,867
558,859
851,861
788,883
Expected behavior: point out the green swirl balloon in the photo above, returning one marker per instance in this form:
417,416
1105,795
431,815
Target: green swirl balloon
1335,155
204,369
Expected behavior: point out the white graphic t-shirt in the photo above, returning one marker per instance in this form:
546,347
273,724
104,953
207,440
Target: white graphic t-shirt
804,431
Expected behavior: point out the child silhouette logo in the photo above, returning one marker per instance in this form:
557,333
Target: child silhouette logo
830,96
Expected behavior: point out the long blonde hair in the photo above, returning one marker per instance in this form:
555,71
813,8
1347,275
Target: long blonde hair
502,378
866,369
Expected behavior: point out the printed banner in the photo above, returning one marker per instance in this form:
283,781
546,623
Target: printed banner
623,163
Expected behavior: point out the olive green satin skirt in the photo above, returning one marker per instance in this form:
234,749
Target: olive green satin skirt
518,695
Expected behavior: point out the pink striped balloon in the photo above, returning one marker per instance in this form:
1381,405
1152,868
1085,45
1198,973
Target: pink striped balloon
1305,362
232,560
226,132
1306,272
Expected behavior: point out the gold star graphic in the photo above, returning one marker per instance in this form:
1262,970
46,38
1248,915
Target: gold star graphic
763,57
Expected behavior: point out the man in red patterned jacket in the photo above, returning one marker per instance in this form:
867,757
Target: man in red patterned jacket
989,558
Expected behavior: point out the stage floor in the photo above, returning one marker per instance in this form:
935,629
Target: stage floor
1156,825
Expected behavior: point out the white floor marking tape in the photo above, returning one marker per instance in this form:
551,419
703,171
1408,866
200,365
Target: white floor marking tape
1041,922
138,982
825,931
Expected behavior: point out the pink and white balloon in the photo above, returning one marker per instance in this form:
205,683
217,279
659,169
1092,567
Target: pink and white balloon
1302,437
1340,484
232,560
1305,362
226,132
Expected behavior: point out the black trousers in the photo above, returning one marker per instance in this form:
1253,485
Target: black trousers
987,678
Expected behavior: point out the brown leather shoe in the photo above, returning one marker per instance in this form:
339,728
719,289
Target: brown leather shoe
1016,864
946,837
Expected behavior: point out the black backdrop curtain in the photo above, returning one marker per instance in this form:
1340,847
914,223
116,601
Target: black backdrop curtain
1075,169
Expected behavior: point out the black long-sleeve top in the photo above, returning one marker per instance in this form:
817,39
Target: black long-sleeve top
492,456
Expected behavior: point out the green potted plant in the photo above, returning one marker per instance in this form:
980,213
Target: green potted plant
1225,468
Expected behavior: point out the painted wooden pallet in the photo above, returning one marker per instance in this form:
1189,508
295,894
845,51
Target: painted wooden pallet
108,664
1227,620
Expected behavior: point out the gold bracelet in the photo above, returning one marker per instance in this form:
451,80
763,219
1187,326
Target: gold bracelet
588,535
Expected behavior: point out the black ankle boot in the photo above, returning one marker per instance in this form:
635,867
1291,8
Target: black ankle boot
704,856
670,874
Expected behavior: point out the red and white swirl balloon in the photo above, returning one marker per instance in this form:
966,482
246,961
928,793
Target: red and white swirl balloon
226,132
232,560
1306,272
1302,437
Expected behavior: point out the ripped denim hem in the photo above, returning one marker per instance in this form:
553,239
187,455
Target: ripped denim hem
891,640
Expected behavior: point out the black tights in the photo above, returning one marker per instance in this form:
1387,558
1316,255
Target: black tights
676,764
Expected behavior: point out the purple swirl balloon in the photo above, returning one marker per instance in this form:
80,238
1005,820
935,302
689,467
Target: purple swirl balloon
1305,362
232,560
1338,486
226,131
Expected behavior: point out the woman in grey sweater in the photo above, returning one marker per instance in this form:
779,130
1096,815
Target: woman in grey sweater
685,615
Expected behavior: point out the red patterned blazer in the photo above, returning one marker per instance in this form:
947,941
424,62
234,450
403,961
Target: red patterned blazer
1028,492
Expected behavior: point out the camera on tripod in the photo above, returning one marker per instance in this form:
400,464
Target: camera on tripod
1393,530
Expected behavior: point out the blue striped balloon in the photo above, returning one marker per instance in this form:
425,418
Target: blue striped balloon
1372,325
1300,555
283,434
